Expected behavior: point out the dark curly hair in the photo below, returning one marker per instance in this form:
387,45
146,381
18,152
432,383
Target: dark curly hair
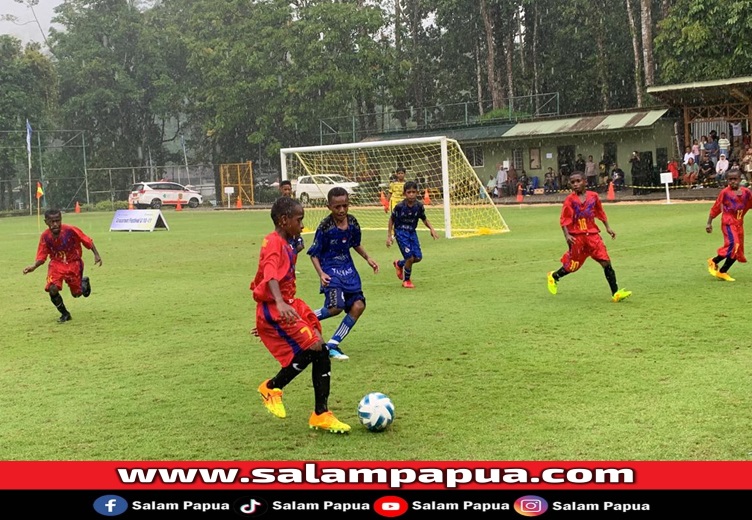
284,206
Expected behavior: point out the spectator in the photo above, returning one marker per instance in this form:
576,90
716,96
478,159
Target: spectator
691,171
712,151
721,167
549,181
617,177
688,153
579,164
724,146
697,150
706,172
491,186
673,167
502,178
590,172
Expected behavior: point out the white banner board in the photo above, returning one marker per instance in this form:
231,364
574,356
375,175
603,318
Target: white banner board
138,220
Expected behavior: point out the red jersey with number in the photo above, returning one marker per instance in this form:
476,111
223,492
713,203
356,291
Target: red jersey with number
579,217
733,206
276,262
65,247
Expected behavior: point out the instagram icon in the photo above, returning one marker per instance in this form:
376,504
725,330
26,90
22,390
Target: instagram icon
531,505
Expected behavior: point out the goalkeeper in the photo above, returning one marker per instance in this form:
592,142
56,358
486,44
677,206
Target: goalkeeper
403,224
396,188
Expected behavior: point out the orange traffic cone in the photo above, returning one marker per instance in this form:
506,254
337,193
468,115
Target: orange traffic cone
239,203
130,204
611,195
78,208
426,198
179,207
520,198
384,202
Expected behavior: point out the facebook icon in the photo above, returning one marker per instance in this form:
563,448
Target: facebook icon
110,505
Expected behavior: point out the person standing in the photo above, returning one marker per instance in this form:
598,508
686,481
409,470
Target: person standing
501,181
396,188
285,190
403,224
62,244
733,202
340,282
286,325
591,173
577,220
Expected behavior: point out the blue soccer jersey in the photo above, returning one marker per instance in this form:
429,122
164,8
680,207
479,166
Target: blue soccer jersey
406,217
331,245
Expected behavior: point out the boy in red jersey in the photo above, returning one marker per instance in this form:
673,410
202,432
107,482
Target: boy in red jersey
62,243
287,327
733,201
578,215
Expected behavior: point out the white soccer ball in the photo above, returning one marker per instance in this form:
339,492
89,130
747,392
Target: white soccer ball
376,411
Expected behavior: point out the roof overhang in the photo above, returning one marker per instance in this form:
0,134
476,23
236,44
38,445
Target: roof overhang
702,93
474,134
587,124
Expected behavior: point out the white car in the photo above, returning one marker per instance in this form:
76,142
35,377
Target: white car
163,193
310,187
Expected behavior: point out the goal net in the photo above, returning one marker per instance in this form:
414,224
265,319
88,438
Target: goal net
455,199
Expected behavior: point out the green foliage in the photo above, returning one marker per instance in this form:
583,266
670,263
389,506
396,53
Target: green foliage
702,40
480,341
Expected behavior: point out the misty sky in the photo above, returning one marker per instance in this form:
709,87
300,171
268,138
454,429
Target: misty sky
25,28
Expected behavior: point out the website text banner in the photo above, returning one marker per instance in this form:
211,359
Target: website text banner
370,475
408,505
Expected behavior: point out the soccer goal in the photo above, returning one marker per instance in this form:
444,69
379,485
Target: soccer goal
455,199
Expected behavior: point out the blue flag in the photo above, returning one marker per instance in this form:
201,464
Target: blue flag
28,137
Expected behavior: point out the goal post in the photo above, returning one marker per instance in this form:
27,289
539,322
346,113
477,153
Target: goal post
455,199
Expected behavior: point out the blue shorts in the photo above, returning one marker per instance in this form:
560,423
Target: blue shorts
341,299
408,244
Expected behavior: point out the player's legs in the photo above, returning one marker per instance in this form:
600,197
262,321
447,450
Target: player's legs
54,285
410,248
355,304
334,303
599,253
571,261
294,345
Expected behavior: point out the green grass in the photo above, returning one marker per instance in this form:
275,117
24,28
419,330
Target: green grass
481,361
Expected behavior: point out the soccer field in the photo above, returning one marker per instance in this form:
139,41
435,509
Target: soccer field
481,361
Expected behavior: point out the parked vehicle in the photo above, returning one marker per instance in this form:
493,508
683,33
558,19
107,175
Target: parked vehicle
163,193
310,187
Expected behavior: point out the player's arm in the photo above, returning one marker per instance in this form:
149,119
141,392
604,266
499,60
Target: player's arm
715,210
286,312
31,268
362,252
97,258
390,231
430,227
325,278
42,254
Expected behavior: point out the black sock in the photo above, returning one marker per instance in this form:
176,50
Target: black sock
561,273
727,265
717,259
57,301
611,278
321,376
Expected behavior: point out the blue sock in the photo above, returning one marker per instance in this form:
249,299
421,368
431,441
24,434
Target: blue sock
407,272
342,331
401,263
322,313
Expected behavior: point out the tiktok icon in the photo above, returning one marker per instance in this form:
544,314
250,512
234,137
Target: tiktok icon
250,506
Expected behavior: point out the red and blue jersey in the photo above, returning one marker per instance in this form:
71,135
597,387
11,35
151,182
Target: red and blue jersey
276,262
65,247
733,205
579,217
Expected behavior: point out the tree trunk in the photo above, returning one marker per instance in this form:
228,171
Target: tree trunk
646,17
636,51
494,86
600,60
479,79
534,55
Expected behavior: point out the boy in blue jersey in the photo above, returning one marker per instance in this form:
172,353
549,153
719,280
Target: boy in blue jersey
402,225
340,281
